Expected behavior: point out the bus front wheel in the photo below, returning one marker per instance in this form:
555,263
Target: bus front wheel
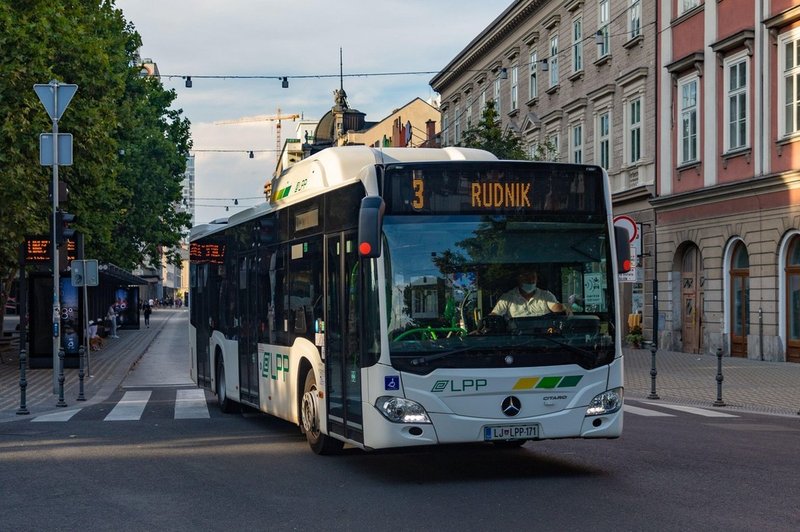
320,443
225,404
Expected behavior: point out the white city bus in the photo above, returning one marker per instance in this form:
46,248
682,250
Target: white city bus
357,301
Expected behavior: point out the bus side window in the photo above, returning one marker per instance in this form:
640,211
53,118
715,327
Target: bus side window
305,287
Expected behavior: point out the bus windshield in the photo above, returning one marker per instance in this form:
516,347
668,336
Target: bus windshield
450,277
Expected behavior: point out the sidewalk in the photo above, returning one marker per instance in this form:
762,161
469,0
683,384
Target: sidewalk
108,366
748,385
691,379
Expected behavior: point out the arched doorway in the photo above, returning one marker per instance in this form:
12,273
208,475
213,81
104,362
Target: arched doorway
793,301
740,299
691,299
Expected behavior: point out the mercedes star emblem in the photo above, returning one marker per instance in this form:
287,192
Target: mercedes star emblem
511,406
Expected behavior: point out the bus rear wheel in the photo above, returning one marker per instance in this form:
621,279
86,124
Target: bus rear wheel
319,443
225,404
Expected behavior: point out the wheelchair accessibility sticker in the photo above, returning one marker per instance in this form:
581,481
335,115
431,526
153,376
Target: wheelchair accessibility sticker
391,382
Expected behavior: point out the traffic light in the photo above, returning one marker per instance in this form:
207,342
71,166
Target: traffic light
64,229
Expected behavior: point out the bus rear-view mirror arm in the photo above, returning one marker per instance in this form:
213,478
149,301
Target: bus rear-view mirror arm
623,249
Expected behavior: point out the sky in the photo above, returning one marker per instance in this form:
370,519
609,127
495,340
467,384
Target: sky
272,39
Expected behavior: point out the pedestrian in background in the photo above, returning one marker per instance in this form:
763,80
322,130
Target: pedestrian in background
147,312
112,317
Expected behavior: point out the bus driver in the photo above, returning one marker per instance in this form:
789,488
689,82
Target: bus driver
526,299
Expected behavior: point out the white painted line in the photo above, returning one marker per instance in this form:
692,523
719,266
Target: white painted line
65,415
191,404
130,407
630,409
693,410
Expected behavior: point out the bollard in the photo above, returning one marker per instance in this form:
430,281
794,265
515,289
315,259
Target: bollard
61,378
719,401
82,355
653,372
23,381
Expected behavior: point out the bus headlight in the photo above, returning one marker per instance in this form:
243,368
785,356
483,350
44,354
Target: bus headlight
400,410
607,402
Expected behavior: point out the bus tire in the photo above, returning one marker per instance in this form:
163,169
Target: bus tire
225,404
309,420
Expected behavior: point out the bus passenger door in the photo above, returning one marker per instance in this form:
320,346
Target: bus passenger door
248,329
342,346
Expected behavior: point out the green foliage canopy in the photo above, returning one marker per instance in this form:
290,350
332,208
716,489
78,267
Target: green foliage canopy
129,146
488,135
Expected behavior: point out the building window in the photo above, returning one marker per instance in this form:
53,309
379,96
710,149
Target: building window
576,139
635,18
457,125
533,90
604,139
497,106
514,87
469,113
686,5
552,147
687,112
736,103
445,129
553,60
789,86
634,130
603,17
577,45
482,101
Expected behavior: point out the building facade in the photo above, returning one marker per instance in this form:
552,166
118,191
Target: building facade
728,219
577,82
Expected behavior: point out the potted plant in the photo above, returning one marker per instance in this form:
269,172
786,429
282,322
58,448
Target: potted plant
634,336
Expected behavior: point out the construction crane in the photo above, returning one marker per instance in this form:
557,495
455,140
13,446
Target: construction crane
265,118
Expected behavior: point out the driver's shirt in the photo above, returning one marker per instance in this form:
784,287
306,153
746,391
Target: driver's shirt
513,304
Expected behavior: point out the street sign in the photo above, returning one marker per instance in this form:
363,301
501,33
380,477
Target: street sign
55,97
76,273
64,149
91,272
84,272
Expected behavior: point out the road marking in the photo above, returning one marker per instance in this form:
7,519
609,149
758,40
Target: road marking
630,409
130,407
65,415
693,410
191,404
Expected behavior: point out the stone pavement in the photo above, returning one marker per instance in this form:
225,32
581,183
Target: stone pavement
108,366
683,378
748,385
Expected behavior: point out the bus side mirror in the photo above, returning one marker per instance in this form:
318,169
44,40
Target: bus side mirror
623,249
370,221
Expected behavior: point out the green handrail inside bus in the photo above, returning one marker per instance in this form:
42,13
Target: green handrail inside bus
430,332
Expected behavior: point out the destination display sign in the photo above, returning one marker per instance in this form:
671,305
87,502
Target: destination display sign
211,253
37,250
493,188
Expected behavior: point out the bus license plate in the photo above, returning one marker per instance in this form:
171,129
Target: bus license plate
510,432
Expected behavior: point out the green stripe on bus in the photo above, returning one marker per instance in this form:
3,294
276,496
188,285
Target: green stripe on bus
548,382
570,381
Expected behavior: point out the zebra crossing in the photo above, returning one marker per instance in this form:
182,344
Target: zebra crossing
650,412
184,404
192,403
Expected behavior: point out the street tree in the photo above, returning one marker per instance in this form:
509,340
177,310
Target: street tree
130,146
488,135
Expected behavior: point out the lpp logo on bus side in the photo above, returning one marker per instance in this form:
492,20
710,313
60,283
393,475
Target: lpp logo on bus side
275,364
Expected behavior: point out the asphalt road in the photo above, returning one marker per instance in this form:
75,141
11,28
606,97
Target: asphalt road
679,471
158,455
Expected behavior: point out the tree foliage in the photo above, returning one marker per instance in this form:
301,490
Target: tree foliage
129,146
488,135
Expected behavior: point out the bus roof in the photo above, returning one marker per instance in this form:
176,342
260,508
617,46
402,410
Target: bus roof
334,167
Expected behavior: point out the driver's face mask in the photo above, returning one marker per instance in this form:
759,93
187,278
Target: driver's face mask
528,287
